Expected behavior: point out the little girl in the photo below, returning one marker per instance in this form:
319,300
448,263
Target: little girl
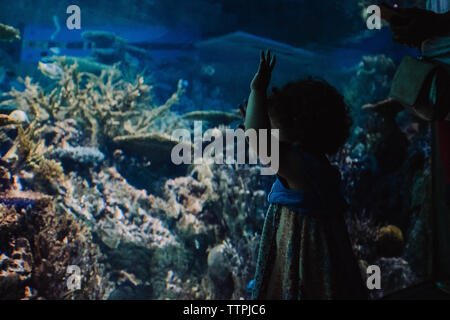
304,252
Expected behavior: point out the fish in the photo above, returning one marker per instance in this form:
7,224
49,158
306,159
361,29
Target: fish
208,70
55,50
215,117
83,64
51,70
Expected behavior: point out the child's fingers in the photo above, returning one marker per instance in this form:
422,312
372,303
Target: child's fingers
263,58
272,63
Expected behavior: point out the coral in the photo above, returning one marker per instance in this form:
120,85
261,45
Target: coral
16,271
215,117
156,147
124,213
103,104
370,83
61,133
362,234
388,158
37,246
31,155
86,156
7,120
213,207
23,199
186,197
389,241
396,275
119,213
223,268
8,33
31,100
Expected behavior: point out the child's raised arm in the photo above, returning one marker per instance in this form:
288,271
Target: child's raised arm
256,114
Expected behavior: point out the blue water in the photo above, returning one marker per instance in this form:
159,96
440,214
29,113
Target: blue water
157,225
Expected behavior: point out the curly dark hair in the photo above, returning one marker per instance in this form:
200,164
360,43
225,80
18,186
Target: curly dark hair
312,113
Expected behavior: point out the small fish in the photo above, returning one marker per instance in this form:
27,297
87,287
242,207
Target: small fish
51,70
208,70
55,50
182,84
19,115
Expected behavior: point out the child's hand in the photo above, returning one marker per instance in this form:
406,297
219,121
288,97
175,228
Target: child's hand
261,79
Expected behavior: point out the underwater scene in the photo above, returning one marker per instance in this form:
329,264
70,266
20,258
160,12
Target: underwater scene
93,95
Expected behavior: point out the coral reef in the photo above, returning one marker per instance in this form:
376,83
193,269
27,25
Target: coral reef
386,169
86,177
104,105
37,246
118,212
30,155
370,83
397,275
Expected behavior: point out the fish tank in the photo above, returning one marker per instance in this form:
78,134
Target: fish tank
92,96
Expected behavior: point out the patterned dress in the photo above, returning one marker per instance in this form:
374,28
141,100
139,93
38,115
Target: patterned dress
305,252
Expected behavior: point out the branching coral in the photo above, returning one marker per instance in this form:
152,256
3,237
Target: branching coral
6,120
104,104
31,155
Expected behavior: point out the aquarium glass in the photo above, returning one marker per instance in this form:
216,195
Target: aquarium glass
94,94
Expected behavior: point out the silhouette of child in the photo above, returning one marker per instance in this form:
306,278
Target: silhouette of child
305,252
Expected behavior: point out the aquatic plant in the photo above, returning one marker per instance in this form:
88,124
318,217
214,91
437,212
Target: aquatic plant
28,152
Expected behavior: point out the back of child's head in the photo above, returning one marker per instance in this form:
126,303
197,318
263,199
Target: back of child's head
312,114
